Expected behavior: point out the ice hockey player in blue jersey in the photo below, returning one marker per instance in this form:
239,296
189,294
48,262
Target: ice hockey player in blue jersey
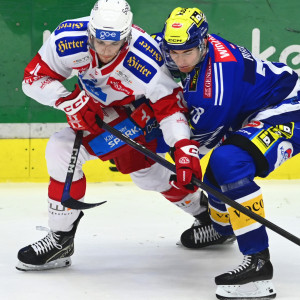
246,110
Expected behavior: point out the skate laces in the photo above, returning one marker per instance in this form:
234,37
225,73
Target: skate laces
205,234
246,263
47,243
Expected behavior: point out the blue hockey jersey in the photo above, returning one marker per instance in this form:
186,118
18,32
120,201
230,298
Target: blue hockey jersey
229,87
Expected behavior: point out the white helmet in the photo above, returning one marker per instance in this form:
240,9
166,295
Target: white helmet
110,20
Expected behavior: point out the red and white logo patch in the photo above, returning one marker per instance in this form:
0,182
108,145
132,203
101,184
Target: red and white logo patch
184,160
117,85
255,123
82,68
222,53
142,115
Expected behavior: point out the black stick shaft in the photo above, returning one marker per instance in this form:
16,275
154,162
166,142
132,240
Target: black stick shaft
66,199
198,183
72,165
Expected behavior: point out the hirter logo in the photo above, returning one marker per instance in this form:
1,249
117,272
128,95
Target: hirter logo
117,85
176,25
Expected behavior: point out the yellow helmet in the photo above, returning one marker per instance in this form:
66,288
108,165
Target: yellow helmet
185,28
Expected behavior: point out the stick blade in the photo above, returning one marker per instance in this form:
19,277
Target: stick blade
75,204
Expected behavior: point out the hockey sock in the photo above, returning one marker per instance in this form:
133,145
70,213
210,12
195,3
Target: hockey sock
251,235
60,217
190,203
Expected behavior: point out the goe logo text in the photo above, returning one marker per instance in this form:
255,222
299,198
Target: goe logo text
108,35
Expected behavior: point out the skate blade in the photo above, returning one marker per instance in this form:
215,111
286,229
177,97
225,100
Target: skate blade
254,290
58,263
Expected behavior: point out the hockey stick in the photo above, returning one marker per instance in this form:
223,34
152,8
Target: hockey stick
66,199
197,182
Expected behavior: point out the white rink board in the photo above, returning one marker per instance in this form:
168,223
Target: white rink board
126,248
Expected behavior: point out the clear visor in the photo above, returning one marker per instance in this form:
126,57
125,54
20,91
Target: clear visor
171,65
170,62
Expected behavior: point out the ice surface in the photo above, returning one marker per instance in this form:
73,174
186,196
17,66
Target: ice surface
126,248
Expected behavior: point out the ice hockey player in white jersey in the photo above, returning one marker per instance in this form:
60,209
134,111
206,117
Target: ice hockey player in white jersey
248,111
122,79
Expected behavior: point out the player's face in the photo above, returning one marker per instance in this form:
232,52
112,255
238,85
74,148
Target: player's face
107,50
186,59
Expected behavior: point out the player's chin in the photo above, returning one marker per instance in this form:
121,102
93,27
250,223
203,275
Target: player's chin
186,69
106,59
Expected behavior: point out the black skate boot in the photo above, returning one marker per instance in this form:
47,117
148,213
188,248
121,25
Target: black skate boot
250,280
202,232
53,251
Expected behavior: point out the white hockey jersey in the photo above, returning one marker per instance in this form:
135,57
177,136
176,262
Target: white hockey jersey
138,70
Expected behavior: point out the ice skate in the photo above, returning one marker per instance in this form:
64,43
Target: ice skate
200,236
51,252
202,233
250,280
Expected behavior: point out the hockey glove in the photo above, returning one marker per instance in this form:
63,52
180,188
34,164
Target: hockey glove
81,110
186,156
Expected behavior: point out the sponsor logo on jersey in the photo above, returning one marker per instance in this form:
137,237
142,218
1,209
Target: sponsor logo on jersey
71,45
266,138
222,53
82,68
149,49
255,123
284,152
106,142
207,89
194,81
250,65
123,76
245,53
245,131
90,86
81,60
107,35
46,82
142,115
71,26
117,85
139,67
